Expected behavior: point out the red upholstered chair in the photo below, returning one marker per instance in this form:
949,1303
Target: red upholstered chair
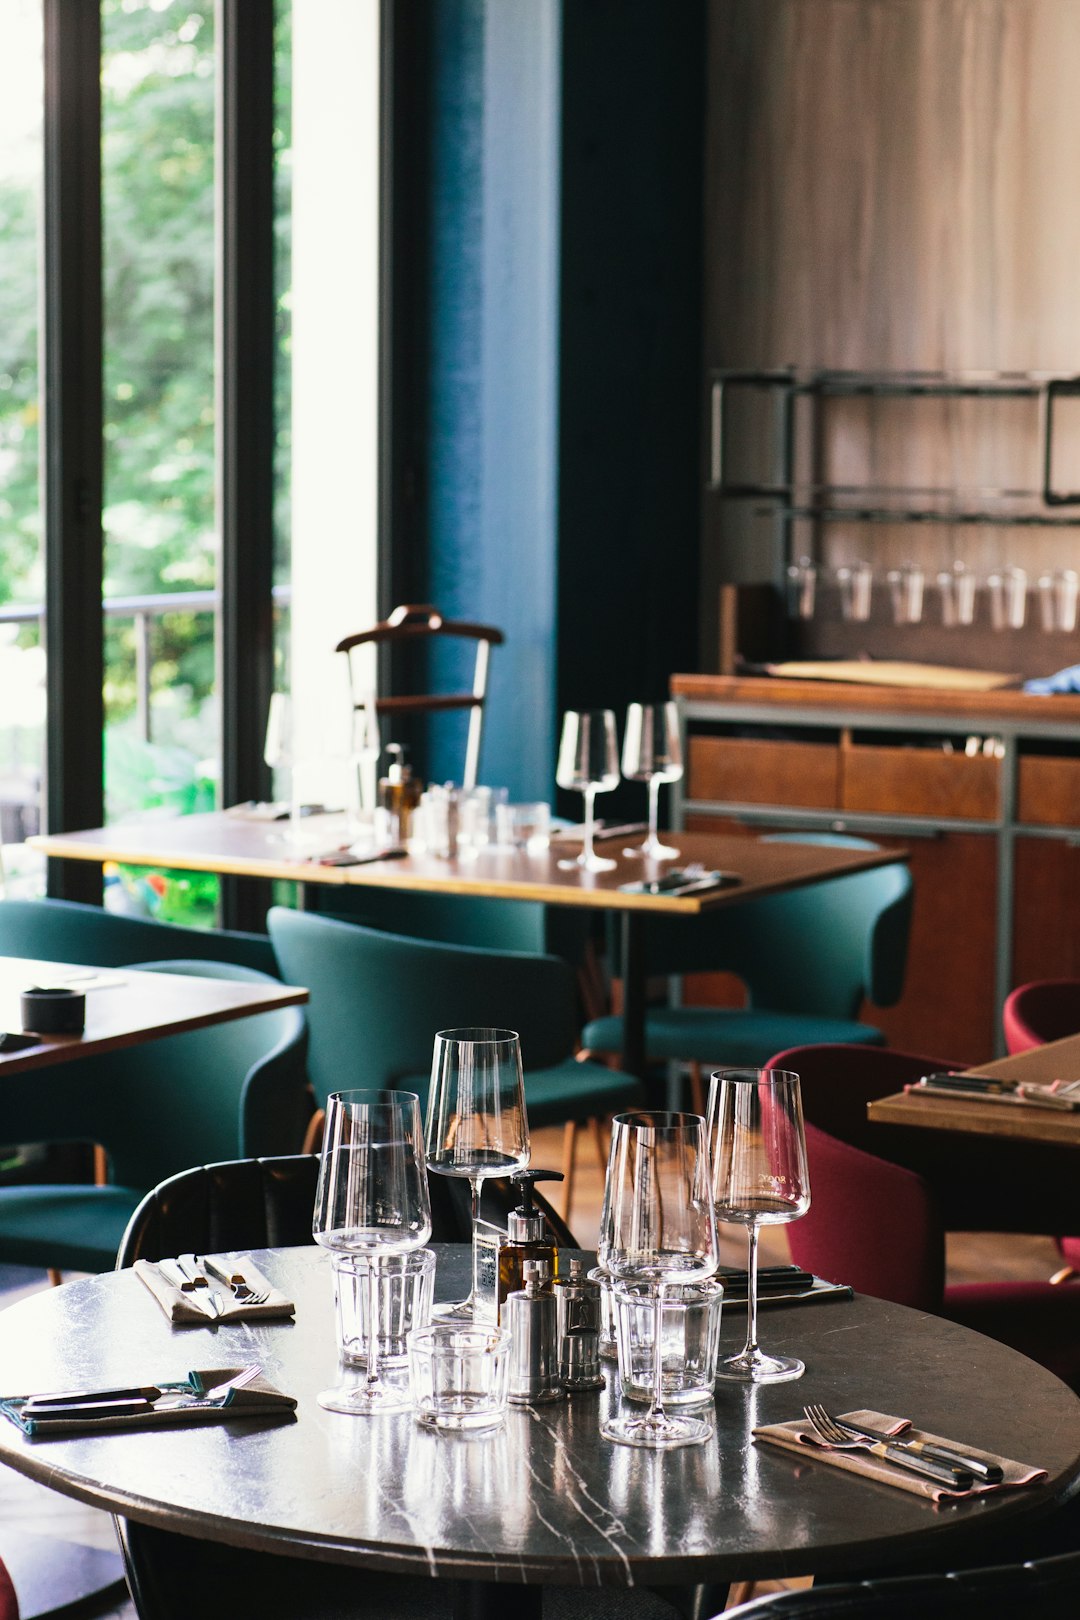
9,1603
1045,1010
878,1226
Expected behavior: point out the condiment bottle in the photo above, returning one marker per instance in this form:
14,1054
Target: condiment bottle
399,793
529,1318
528,1238
577,1329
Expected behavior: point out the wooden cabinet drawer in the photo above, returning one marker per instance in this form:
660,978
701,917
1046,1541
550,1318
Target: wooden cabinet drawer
747,770
919,782
1048,791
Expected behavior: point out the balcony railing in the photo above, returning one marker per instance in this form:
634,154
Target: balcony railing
142,610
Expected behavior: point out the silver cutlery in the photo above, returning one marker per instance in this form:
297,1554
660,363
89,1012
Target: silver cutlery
990,1473
828,1429
69,1407
186,1275
241,1288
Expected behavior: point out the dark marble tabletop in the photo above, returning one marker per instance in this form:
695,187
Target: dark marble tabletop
544,1498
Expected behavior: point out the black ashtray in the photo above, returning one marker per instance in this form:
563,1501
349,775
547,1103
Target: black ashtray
47,1011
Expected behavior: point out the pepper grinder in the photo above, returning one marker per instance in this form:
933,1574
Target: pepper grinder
529,1316
577,1325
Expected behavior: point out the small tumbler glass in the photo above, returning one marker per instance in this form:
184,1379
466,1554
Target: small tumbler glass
523,826
458,1375
690,1341
406,1286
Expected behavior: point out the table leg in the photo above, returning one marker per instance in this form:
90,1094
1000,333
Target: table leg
487,1600
633,974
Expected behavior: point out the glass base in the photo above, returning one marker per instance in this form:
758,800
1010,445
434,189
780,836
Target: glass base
459,1310
653,849
753,1367
657,1432
588,863
366,1400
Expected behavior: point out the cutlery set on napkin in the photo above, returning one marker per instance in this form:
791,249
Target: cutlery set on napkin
1063,1095
211,1395
891,1450
193,1290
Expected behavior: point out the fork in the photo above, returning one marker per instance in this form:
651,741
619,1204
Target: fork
827,1429
241,1288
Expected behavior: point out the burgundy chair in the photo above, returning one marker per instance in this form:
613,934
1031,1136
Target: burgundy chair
878,1226
982,1183
9,1603
1045,1010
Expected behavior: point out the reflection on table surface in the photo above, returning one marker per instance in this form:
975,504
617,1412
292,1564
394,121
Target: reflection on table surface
541,1499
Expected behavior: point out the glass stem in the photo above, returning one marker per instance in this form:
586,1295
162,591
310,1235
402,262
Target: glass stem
751,1348
373,1323
590,800
657,1414
474,1189
654,812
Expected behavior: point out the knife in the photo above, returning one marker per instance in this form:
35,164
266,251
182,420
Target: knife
199,1295
988,1473
83,1397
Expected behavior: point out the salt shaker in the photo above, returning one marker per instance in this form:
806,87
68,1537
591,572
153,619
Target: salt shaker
529,1317
577,1314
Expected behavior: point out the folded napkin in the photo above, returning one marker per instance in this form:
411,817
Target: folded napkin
183,1308
1063,1096
193,1400
800,1437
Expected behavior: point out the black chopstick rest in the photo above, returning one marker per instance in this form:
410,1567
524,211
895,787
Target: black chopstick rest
53,1011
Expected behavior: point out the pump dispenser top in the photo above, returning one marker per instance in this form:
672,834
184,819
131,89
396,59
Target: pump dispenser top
525,1223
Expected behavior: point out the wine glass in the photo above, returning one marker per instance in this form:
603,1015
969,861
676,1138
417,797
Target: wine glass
589,764
759,1179
652,752
658,1228
372,1199
476,1122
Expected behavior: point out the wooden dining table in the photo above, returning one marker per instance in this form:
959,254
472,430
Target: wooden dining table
231,844
543,1499
1007,1121
125,1007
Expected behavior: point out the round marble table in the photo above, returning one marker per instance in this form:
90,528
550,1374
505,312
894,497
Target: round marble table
543,1499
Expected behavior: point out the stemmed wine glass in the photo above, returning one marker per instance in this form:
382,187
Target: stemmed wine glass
278,750
372,1199
589,764
476,1121
652,752
759,1179
658,1228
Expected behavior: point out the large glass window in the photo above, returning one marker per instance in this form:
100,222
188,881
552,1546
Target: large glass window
22,653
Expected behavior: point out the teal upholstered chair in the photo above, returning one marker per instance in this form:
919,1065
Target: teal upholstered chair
66,931
378,999
808,959
234,1089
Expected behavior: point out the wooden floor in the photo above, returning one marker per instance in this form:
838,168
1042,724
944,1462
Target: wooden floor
29,1510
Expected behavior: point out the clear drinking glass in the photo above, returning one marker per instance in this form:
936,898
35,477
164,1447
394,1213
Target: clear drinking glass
372,1199
278,752
658,1229
476,1121
759,1179
652,752
589,764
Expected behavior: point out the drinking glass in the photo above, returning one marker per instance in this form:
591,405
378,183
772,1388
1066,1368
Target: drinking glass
759,1179
589,764
658,1229
476,1122
372,1199
278,751
652,752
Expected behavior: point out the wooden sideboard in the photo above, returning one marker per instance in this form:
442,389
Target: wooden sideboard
983,790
